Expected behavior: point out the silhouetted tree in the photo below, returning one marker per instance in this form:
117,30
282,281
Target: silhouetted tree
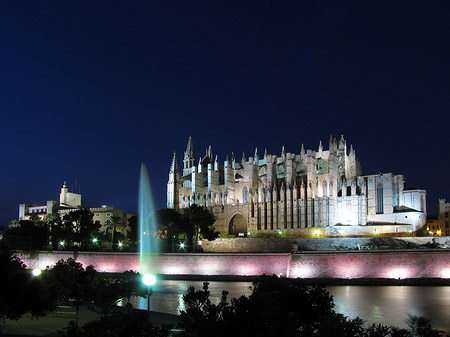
70,281
30,234
197,222
20,292
132,234
169,223
80,223
127,323
281,307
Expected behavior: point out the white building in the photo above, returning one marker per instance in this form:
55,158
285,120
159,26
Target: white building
312,193
443,217
68,202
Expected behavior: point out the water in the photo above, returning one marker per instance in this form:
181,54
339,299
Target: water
388,305
148,243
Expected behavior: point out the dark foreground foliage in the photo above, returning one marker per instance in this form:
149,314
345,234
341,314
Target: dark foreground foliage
282,307
126,323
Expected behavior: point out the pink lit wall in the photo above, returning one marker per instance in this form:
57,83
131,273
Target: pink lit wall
179,264
343,264
374,264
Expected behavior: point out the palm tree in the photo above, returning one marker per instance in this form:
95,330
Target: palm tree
113,224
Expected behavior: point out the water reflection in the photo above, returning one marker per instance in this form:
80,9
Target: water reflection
389,305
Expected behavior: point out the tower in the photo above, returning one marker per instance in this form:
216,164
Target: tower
189,158
173,184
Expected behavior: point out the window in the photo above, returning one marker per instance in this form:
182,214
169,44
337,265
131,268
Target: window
446,214
446,224
380,208
244,195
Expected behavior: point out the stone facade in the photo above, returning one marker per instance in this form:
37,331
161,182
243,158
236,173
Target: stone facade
310,194
68,202
394,264
443,217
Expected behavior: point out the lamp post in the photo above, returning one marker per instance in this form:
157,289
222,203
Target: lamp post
36,272
149,280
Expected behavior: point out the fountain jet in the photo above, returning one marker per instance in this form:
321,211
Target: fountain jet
148,231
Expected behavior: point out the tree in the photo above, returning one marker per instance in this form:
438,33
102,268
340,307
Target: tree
169,223
127,323
281,307
81,224
70,281
30,234
103,294
132,234
113,225
197,222
20,292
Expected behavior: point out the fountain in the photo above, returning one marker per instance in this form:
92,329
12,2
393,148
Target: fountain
148,231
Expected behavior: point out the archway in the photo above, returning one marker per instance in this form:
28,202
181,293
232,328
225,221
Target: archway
238,224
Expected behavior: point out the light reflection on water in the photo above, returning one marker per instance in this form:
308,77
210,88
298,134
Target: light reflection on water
389,305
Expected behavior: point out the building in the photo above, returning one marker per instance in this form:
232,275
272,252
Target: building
311,194
434,227
443,217
68,202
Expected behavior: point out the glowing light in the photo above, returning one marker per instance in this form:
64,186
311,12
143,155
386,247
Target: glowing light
94,240
445,273
61,243
36,272
182,245
317,232
120,244
398,273
303,272
148,279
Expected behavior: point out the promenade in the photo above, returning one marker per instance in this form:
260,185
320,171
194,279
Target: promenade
57,326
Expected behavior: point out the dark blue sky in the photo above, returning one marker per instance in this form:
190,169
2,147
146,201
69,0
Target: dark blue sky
91,89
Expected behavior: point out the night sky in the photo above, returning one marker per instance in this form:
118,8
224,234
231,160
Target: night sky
89,90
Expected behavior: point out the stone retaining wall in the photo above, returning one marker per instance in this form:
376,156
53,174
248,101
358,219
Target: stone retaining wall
280,245
172,264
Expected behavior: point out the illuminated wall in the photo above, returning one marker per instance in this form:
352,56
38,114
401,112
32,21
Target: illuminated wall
350,264
373,264
296,192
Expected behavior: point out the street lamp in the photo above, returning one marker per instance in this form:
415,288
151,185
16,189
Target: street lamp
36,272
149,280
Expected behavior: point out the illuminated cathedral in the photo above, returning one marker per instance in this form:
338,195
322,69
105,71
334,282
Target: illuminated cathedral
313,193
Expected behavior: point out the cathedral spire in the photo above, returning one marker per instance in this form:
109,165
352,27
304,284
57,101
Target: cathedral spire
302,150
174,166
209,153
190,149
189,157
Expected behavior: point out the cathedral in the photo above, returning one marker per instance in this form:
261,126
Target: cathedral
315,193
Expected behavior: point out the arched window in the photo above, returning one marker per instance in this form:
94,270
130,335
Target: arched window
187,184
244,195
380,208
